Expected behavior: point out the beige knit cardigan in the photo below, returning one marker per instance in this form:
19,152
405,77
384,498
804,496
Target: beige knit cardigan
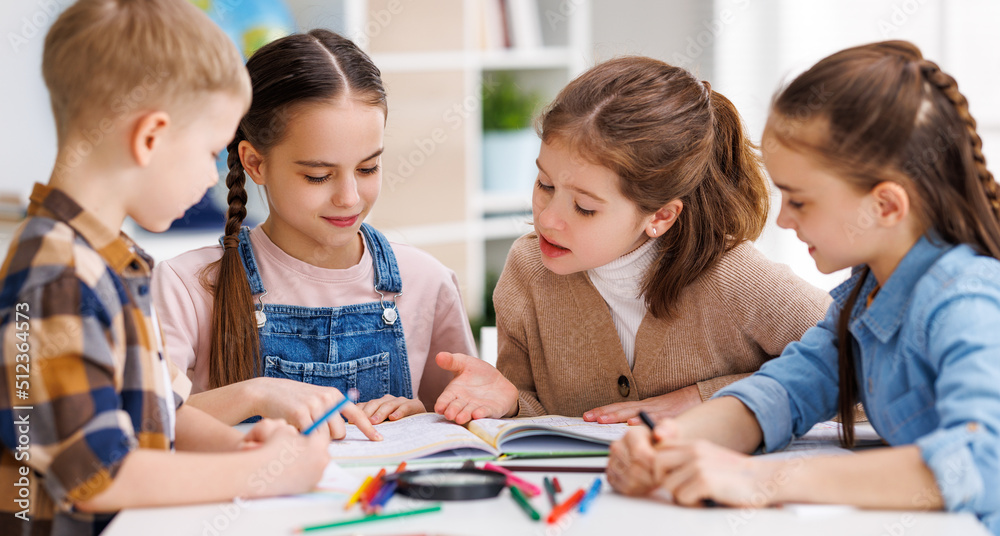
558,344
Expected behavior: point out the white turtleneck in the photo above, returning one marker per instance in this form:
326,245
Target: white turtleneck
620,284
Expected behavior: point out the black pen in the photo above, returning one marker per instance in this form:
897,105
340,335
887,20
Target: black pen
648,421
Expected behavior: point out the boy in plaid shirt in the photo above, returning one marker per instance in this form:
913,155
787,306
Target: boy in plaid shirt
145,93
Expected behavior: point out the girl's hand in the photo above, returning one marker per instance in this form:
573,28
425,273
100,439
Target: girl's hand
302,460
700,470
658,407
632,463
478,390
390,407
301,404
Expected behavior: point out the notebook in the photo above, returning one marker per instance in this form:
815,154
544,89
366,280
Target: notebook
430,436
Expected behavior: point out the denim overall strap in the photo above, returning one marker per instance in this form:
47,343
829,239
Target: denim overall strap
387,278
353,346
249,261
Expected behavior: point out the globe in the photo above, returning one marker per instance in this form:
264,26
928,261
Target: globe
251,24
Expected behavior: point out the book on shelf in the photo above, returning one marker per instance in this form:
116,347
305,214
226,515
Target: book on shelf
524,25
510,24
429,435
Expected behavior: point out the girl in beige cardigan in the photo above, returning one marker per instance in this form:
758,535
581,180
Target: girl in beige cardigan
639,288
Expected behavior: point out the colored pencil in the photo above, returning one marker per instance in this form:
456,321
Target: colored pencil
561,510
555,484
528,488
373,488
595,488
522,501
357,494
550,490
373,517
326,416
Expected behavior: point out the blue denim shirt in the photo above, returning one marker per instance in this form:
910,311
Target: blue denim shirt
927,353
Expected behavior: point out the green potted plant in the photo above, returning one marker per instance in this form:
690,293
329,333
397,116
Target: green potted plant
510,144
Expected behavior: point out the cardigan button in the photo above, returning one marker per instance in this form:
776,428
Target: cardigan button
623,386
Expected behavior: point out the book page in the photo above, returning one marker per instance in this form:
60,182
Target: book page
410,437
499,432
829,432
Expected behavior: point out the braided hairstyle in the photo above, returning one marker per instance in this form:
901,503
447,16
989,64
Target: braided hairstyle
888,114
300,69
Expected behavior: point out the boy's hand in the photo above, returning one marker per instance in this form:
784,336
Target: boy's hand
478,390
289,462
264,429
301,404
390,407
658,407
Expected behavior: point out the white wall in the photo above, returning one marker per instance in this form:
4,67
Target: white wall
769,42
28,138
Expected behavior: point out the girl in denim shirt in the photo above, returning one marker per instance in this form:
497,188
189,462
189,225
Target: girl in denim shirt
278,320
880,167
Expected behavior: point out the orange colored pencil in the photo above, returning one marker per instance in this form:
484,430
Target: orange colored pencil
561,510
372,488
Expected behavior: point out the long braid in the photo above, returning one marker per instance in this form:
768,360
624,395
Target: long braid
235,346
947,85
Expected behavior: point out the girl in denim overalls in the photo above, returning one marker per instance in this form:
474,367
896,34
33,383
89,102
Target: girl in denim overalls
279,320
880,167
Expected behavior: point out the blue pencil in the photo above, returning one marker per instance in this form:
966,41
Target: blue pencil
325,416
595,488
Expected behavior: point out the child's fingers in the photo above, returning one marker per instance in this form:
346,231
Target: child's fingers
384,409
683,485
443,401
454,410
667,430
358,418
410,407
336,427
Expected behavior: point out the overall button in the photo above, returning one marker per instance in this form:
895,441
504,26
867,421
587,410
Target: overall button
623,386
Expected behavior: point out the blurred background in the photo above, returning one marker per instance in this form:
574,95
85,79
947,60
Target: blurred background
465,78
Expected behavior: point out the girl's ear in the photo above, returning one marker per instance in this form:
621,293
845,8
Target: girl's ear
664,218
892,203
252,162
147,136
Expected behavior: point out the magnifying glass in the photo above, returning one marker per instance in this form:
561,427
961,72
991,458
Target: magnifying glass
464,484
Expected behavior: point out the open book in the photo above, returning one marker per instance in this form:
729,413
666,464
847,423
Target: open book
429,434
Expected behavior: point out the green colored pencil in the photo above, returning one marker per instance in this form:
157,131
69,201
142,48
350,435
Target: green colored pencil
522,501
374,517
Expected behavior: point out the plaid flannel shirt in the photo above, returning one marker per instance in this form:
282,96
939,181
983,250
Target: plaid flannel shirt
83,378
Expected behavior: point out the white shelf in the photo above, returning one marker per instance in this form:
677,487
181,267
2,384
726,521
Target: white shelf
488,60
500,203
511,59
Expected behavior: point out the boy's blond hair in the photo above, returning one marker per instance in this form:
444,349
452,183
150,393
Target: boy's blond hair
105,59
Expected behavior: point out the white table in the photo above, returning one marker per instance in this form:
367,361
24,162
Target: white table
610,514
